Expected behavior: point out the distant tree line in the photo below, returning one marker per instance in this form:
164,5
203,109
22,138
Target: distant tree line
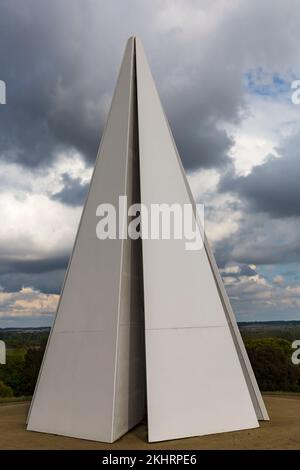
18,377
272,365
23,338
270,358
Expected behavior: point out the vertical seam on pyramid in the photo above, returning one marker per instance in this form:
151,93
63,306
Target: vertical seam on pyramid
129,117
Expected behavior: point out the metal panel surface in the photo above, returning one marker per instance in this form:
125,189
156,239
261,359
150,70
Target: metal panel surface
78,391
184,315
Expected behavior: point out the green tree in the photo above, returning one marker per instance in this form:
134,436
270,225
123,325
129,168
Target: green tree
10,374
5,390
31,367
272,365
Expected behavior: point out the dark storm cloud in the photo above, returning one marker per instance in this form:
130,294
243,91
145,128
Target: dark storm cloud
261,240
248,252
244,270
73,192
60,58
53,103
45,275
60,63
34,266
48,282
206,146
273,187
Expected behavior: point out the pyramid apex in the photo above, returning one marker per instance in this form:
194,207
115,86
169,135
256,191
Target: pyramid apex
133,38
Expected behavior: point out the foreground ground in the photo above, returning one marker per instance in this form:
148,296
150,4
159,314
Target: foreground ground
282,432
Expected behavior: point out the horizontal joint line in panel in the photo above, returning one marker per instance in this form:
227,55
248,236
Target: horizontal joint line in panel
186,327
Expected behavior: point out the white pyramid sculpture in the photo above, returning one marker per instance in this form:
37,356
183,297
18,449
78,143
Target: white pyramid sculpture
142,321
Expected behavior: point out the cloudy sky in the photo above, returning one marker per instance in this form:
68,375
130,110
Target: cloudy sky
223,70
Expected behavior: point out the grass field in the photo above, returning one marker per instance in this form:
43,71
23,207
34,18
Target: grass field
282,432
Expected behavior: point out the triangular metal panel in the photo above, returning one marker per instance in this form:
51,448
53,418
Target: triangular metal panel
195,381
92,381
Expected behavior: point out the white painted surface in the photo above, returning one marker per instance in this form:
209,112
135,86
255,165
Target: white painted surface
90,357
92,383
193,389
195,383
257,400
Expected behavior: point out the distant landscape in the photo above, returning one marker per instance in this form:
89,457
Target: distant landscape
24,353
268,345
